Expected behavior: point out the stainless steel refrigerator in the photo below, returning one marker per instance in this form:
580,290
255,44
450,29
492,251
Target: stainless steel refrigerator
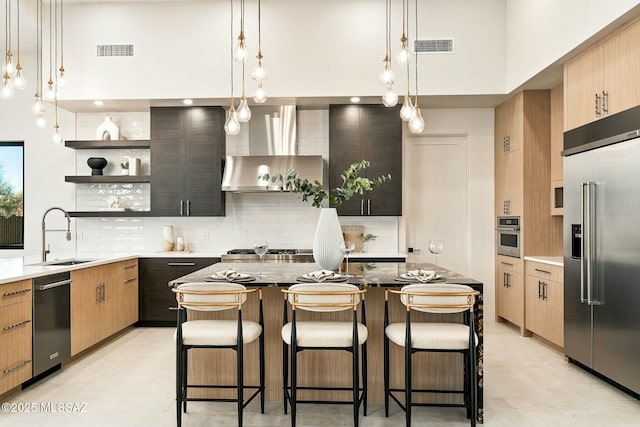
602,247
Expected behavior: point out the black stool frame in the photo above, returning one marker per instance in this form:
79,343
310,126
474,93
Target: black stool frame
470,367
359,388
181,365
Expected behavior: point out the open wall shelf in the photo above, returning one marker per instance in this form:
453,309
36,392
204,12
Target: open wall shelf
108,179
107,144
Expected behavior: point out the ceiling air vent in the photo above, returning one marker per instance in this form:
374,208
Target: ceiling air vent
433,46
114,50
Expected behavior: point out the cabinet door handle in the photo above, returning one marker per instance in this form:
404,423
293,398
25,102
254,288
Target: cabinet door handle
19,291
544,291
15,325
98,293
605,96
362,207
539,289
181,208
126,267
505,279
542,271
131,280
597,102
368,206
506,263
181,264
188,207
18,366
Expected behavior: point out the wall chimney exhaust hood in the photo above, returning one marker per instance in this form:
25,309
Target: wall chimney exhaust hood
272,149
241,172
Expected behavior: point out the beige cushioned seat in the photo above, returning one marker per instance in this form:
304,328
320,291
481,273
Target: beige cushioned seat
435,336
218,332
324,334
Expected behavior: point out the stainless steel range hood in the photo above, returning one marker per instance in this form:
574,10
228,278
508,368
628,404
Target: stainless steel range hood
272,149
241,172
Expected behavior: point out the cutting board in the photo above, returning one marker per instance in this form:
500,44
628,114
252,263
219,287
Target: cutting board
352,233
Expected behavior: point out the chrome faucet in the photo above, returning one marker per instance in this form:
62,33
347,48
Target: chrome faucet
46,250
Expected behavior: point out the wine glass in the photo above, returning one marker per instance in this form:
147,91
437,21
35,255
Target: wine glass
260,247
347,247
436,247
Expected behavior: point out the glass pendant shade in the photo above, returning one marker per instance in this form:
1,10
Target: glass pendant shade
416,124
9,68
407,111
61,80
36,108
403,55
41,122
56,138
390,98
240,51
50,92
387,77
258,72
6,91
19,81
244,112
261,96
232,125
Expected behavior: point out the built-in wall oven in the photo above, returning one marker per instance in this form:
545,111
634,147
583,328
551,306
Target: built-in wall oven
508,229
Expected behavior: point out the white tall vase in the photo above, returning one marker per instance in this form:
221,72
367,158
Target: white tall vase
327,240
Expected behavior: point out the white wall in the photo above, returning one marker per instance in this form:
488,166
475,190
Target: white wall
311,48
539,32
478,126
45,167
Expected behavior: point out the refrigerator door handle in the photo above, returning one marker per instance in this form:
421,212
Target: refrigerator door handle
585,234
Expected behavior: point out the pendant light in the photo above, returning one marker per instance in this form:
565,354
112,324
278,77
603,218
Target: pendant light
240,52
19,81
390,98
259,74
404,54
244,112
56,138
231,124
50,92
38,106
61,78
416,124
6,89
407,111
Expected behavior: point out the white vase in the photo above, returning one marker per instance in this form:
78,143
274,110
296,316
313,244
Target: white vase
327,240
108,130
167,238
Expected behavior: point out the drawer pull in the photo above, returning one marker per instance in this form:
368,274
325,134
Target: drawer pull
131,280
18,366
126,267
21,291
506,263
542,271
15,325
181,264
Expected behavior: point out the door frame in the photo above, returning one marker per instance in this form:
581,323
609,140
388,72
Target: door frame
406,221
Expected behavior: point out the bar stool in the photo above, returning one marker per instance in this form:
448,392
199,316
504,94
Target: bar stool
433,337
300,335
216,334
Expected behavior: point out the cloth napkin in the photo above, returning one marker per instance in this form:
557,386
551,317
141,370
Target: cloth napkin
422,275
229,274
320,275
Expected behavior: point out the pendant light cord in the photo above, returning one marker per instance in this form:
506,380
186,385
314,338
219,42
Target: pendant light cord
61,36
405,13
50,44
38,48
18,28
416,53
259,31
231,38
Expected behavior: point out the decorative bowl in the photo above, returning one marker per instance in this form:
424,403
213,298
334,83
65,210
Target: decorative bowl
97,164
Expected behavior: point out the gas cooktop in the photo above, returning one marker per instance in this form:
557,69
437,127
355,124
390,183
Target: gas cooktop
277,255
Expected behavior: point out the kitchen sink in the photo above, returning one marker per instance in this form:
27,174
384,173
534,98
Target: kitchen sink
65,262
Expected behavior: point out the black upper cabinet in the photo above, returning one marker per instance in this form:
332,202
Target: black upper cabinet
187,154
373,133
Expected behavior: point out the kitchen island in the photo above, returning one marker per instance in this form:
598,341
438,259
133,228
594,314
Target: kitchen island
431,371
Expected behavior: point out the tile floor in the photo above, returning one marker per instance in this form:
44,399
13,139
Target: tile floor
130,382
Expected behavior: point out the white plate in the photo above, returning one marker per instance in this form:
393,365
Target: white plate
415,279
238,276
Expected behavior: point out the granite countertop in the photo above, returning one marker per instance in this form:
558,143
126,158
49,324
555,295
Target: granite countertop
367,274
551,260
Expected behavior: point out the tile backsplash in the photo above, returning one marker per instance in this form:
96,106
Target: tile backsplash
280,218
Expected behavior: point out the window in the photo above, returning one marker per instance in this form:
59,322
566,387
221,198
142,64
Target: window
11,195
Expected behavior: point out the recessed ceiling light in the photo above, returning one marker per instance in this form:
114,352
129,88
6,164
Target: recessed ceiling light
98,103
187,101
355,99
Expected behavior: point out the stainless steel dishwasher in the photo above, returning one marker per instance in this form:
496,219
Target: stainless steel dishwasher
51,321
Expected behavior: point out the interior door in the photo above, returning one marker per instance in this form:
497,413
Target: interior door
437,199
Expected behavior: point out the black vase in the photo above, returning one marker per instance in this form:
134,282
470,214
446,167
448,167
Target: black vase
97,164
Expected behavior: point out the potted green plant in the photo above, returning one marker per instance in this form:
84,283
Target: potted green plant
124,168
364,238
328,235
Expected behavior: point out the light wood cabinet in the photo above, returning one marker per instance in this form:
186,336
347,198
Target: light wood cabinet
556,159
508,157
510,291
15,334
104,300
603,80
544,296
